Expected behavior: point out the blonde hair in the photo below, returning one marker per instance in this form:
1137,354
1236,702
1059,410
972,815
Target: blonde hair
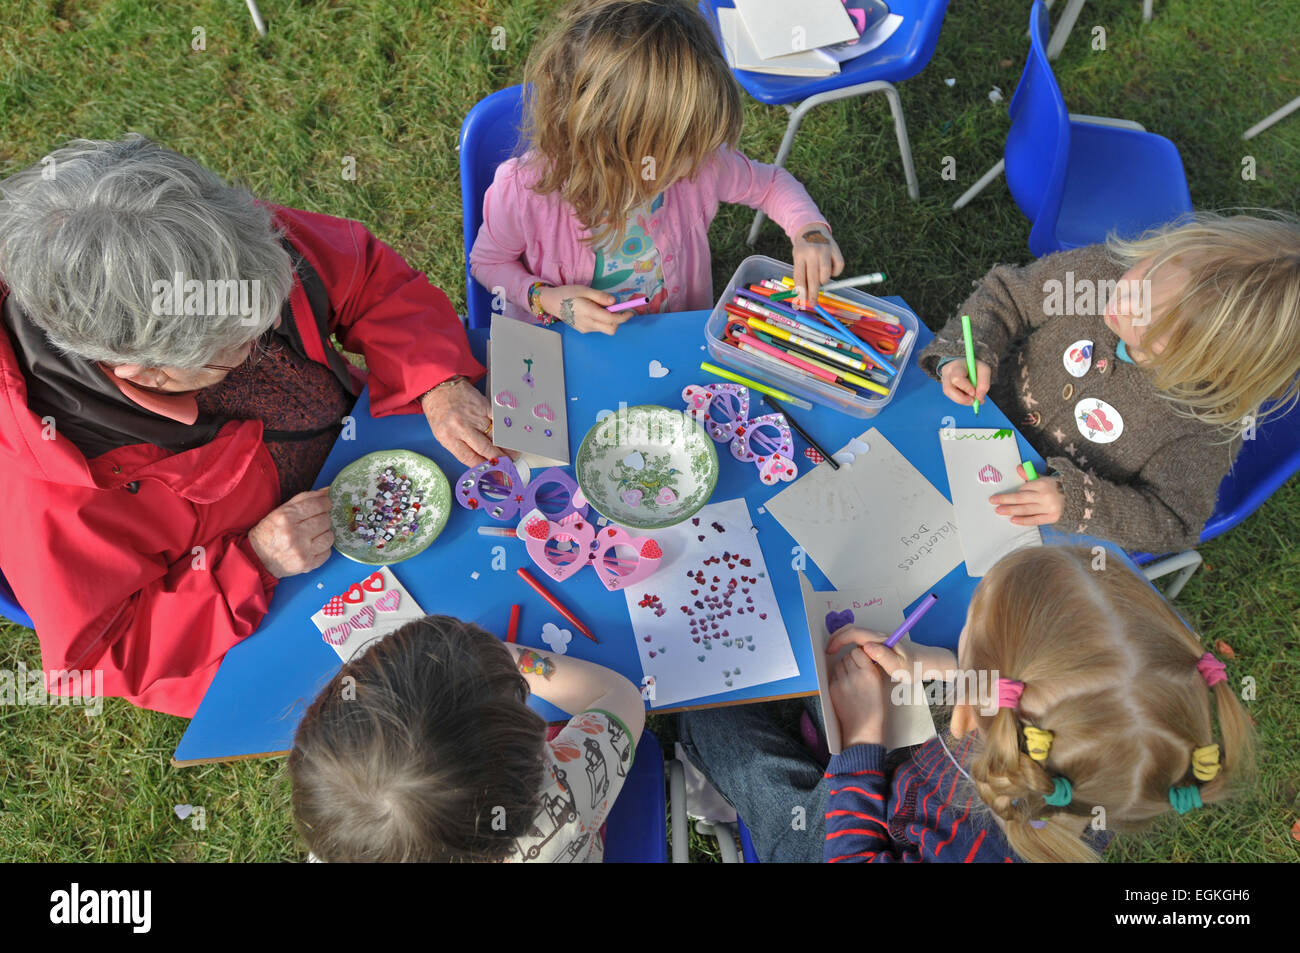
1232,335
622,99
1110,669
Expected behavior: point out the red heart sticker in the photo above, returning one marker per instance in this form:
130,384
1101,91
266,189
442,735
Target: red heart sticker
374,582
333,607
651,550
354,590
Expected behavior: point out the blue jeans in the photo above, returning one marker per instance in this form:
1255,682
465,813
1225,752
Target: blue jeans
763,769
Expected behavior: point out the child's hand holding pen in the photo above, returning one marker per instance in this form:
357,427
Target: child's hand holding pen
859,693
816,258
936,663
1038,502
956,382
582,308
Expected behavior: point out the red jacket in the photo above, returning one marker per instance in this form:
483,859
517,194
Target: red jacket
101,552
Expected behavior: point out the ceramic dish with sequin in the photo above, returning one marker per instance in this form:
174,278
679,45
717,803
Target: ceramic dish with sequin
388,506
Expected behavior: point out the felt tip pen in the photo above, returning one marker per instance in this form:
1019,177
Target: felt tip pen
555,603
787,358
838,373
513,632
912,619
636,302
754,385
970,357
784,366
815,357
794,425
870,351
505,532
1030,472
747,309
846,304
875,278
794,337
769,308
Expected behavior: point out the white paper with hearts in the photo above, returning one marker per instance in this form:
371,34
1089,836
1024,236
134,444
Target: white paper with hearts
365,612
699,634
981,462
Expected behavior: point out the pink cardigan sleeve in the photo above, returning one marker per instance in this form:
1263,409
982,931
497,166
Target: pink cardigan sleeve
497,256
780,195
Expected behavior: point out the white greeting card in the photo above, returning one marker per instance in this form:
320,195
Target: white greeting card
526,386
365,612
877,609
875,522
707,622
981,462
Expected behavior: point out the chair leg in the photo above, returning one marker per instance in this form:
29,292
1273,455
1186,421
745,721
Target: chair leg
1146,10
1272,118
726,835
862,89
257,17
1185,564
984,182
680,840
1063,28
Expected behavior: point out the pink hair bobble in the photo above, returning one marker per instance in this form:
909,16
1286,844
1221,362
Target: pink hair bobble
1212,670
1009,692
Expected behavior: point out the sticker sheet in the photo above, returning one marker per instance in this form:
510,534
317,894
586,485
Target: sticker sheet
876,521
707,621
881,611
526,387
365,612
982,462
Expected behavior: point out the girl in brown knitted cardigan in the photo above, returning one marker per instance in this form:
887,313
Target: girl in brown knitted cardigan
1136,368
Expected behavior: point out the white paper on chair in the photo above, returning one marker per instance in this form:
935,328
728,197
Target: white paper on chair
875,35
743,54
707,622
875,522
530,412
981,462
779,27
880,610
365,612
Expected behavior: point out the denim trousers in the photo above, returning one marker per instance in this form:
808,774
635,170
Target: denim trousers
763,769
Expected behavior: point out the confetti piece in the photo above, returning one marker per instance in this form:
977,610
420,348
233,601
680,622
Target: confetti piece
657,370
473,575
1224,649
556,638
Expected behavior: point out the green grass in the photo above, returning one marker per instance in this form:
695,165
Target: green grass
388,82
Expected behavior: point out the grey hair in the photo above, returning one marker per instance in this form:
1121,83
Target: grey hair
87,234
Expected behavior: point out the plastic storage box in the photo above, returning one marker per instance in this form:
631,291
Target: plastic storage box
769,370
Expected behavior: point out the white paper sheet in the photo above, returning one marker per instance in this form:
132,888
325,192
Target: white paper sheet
880,610
779,27
981,462
366,612
742,54
707,622
876,523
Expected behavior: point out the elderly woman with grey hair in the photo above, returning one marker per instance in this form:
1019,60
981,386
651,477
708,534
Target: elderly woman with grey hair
169,393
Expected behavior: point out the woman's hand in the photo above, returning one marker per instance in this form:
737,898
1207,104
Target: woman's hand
294,537
460,418
956,382
1034,504
816,259
582,308
859,694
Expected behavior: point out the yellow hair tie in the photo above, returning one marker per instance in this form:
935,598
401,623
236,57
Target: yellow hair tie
1205,763
1039,742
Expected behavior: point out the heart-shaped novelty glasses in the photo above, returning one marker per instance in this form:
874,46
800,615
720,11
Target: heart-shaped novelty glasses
723,411
496,488
561,549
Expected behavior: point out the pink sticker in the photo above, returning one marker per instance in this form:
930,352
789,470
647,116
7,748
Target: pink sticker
989,474
389,601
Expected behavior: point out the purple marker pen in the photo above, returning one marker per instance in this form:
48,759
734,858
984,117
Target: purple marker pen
911,620
630,303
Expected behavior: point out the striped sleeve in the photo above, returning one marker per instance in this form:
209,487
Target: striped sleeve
856,827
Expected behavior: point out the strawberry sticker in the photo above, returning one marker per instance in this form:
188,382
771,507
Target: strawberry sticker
1098,421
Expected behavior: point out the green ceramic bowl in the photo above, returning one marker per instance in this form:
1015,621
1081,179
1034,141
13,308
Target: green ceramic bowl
359,481
647,467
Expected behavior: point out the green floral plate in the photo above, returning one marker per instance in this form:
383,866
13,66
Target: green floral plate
647,467
399,488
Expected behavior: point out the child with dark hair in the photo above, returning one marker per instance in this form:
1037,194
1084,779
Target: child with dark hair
424,749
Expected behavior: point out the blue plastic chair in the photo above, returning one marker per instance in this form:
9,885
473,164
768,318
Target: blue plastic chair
9,607
1261,467
487,138
1079,178
899,58
637,828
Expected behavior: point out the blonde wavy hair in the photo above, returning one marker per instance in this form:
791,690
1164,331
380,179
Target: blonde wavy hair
1111,670
1232,335
622,99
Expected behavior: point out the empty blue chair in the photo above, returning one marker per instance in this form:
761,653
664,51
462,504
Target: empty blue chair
899,58
1261,467
637,828
1077,179
9,607
487,138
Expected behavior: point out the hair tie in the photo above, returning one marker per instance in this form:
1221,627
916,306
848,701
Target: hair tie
1205,762
1038,741
1212,670
1062,793
1009,692
1038,825
1185,799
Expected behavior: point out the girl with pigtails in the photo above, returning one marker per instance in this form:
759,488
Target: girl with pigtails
1099,711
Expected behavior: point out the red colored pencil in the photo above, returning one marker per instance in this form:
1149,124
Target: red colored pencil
513,631
555,603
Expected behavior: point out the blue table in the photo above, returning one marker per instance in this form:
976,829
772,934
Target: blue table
266,682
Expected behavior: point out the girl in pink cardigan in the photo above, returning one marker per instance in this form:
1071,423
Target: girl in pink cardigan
631,115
